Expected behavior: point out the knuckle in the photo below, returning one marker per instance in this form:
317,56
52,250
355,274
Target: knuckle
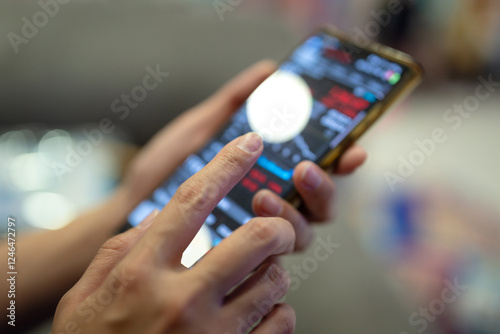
264,231
133,276
202,191
285,320
117,244
177,305
272,233
205,281
180,308
278,277
232,163
192,194
136,269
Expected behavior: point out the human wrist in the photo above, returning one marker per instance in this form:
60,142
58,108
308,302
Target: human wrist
118,206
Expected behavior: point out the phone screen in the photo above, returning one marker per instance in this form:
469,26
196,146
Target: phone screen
303,111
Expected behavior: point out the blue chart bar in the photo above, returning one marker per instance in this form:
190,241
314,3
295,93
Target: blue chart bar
267,164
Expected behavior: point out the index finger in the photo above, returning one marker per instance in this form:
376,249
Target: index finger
195,199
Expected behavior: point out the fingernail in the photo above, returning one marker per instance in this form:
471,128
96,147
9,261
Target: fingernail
269,206
311,179
148,220
251,142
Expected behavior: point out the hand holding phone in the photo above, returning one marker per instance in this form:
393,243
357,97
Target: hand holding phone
136,283
312,108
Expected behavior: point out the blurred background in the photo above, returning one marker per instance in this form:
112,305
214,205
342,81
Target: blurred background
419,243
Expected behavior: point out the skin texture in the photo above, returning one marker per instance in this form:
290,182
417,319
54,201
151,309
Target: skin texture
157,293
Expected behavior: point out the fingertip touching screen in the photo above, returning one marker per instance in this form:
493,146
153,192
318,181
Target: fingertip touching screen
303,111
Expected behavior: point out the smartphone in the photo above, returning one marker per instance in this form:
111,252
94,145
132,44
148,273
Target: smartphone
327,93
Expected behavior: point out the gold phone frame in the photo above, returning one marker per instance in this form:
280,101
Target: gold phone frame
410,80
